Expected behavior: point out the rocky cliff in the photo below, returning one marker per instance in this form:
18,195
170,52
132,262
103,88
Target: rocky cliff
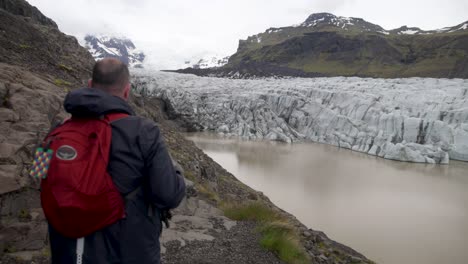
33,41
38,66
327,45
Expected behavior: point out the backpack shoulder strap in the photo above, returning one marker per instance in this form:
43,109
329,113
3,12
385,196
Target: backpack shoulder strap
112,117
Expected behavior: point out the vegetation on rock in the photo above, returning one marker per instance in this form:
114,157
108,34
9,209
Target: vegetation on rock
278,234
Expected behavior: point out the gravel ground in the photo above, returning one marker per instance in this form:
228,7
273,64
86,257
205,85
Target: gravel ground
238,245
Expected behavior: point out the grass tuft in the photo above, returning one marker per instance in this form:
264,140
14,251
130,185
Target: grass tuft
60,82
24,214
278,235
65,67
189,175
251,211
24,46
206,191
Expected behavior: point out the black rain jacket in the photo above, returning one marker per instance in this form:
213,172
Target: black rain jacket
138,157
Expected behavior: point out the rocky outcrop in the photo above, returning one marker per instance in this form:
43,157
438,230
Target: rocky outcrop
416,120
38,65
40,47
30,104
28,12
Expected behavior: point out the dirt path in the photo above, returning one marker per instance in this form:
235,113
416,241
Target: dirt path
199,233
237,245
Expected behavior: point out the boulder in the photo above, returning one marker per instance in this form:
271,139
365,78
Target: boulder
8,115
8,150
8,181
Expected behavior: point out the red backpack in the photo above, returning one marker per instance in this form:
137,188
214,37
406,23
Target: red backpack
78,196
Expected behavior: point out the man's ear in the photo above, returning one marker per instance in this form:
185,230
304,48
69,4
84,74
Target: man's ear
127,91
90,83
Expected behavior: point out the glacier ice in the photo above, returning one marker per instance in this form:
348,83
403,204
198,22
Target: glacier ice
414,119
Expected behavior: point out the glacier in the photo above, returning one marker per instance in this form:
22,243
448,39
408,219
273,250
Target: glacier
421,120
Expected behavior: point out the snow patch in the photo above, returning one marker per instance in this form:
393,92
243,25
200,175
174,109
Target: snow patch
274,30
440,30
106,49
409,32
312,23
208,61
462,27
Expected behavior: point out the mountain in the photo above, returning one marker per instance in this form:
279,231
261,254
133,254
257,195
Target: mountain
122,48
207,62
328,45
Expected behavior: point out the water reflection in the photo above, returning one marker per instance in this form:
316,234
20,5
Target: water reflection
394,212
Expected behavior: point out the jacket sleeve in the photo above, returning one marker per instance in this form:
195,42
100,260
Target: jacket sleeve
166,184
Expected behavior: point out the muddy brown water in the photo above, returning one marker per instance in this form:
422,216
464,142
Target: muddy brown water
393,212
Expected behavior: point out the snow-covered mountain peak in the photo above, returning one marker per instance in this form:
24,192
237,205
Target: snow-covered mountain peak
345,23
319,17
117,47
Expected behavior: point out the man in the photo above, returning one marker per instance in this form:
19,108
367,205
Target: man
140,167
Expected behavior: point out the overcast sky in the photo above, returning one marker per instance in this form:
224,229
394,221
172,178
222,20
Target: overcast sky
172,31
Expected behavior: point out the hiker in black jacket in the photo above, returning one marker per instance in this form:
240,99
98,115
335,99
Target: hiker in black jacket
140,167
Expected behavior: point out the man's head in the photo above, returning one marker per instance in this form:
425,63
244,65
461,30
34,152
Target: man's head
112,76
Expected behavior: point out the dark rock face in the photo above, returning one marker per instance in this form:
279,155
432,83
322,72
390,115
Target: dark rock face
335,46
120,48
41,47
22,8
249,69
38,64
32,103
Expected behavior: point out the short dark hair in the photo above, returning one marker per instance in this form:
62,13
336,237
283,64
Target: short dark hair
110,73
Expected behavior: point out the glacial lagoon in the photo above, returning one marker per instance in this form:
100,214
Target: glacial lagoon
393,212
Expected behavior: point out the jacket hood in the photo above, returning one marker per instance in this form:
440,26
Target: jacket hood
93,102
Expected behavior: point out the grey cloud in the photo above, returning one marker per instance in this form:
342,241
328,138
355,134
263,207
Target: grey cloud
171,31
332,5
